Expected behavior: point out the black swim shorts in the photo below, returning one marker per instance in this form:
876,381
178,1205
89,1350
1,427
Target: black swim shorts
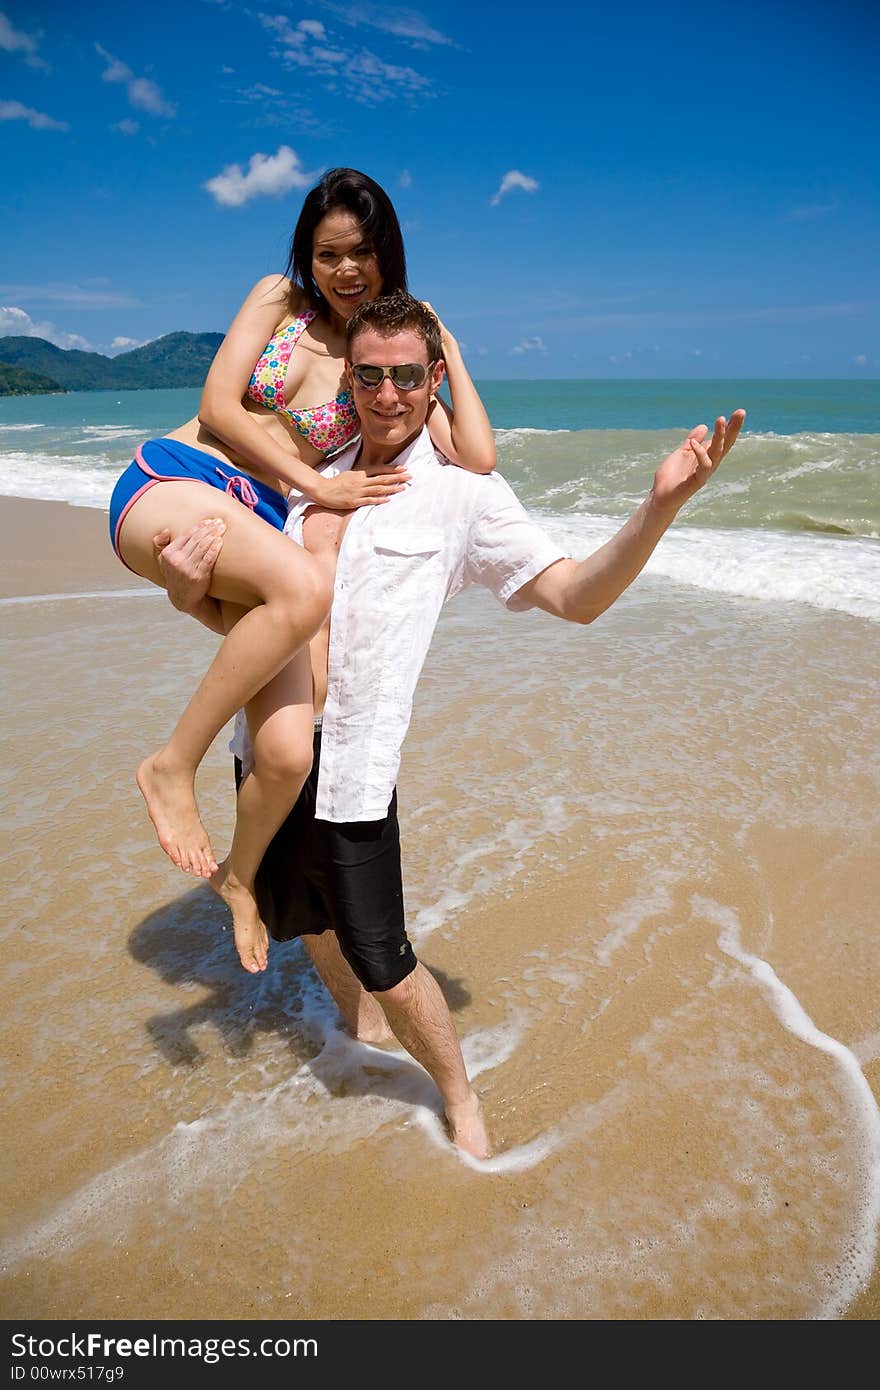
320,875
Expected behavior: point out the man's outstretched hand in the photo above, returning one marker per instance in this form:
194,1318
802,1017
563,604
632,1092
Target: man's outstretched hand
186,564
691,465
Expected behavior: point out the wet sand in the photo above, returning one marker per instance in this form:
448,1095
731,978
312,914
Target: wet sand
642,861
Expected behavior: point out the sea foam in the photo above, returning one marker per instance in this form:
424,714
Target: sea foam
824,572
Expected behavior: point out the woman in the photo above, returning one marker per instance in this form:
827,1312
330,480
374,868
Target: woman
256,436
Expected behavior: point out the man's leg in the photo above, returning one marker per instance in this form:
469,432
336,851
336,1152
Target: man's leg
349,875
361,1014
417,1008
421,1020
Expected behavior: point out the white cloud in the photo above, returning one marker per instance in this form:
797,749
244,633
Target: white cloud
38,120
68,294
15,323
127,127
860,360
125,344
17,41
328,55
514,179
147,96
362,75
401,23
269,106
371,79
143,93
267,175
535,344
405,179
117,71
294,36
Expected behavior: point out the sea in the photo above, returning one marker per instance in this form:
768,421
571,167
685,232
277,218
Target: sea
640,857
793,514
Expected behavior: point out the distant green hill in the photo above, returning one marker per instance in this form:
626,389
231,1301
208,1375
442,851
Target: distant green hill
14,381
178,359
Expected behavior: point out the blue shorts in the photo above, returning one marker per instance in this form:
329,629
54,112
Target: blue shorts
168,460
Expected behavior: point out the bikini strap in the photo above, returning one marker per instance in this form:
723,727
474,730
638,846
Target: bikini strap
299,326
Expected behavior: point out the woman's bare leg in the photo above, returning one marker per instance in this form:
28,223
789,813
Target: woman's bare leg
281,726
287,596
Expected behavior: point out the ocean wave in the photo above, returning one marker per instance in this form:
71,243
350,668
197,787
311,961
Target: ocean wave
104,432
502,436
802,521
767,566
805,439
83,482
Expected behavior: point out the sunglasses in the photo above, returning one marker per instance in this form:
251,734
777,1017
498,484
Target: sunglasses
407,377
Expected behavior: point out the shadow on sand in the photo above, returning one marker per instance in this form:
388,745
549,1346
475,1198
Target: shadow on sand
189,944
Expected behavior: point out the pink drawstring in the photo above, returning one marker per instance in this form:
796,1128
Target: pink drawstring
242,488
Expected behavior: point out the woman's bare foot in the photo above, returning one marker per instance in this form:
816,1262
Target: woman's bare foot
251,937
467,1128
171,802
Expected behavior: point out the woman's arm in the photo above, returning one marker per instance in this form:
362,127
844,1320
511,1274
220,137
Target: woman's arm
221,409
463,433
222,412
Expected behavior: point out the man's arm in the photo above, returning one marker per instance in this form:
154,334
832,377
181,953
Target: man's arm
186,564
580,593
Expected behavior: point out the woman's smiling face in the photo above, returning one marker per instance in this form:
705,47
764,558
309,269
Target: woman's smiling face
344,266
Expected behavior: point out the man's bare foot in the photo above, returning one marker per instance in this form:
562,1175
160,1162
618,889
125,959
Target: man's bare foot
171,803
467,1128
251,937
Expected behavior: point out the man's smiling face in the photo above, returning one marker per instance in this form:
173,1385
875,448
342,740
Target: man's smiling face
389,415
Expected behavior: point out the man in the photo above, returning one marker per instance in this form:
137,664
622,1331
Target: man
332,873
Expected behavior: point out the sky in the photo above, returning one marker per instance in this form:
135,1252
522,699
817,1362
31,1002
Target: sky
586,190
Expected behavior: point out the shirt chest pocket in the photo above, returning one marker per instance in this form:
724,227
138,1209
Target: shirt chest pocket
408,541
408,561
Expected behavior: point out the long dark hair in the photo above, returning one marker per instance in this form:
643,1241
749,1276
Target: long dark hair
370,204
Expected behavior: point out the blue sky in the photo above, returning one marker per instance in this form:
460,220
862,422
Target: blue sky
586,190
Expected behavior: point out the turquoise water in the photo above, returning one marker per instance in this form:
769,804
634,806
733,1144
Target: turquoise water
779,407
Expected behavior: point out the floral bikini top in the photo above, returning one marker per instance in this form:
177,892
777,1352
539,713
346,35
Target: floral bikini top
324,426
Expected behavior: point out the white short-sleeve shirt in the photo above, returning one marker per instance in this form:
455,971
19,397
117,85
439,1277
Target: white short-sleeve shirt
398,564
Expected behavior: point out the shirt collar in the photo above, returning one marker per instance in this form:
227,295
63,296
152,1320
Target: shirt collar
418,452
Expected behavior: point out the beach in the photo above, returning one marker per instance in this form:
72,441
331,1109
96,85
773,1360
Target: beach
641,858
